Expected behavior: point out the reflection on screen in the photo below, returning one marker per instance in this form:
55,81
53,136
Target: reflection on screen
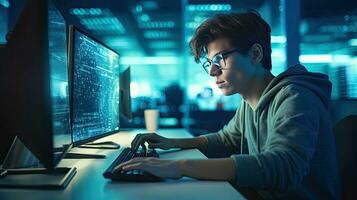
59,77
95,89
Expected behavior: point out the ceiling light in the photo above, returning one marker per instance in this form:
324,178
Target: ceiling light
209,7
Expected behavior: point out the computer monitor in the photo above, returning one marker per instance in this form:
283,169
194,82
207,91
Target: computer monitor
36,95
125,103
37,81
94,87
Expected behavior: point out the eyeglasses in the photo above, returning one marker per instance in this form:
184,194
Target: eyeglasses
218,60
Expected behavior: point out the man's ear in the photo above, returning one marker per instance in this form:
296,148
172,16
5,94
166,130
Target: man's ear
256,51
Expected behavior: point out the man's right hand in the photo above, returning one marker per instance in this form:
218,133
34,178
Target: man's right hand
154,140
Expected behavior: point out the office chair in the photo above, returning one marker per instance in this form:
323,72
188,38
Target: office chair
346,138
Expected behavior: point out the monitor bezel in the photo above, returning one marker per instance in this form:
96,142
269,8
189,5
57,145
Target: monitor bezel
66,147
71,35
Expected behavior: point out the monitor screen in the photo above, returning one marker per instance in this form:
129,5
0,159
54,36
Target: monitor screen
95,89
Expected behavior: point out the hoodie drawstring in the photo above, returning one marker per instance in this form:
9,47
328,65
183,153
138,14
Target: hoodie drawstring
258,138
242,138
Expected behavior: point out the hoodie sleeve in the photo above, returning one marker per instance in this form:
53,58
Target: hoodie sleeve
291,142
227,140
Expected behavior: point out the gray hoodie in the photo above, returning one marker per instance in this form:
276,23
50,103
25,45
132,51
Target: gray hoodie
291,146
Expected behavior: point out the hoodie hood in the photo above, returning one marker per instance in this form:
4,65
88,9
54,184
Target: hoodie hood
316,82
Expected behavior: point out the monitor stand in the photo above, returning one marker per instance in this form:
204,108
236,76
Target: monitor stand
83,156
21,169
101,145
92,145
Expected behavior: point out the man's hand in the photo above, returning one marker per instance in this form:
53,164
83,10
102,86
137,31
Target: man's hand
222,169
158,167
154,140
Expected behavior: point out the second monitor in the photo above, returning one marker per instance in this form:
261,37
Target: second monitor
126,115
94,87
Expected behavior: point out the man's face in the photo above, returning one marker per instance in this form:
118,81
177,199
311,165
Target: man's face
237,71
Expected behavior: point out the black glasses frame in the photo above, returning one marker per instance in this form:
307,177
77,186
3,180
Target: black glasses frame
219,57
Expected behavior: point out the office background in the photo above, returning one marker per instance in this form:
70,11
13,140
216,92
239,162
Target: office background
152,38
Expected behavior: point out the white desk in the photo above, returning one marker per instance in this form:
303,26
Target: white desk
89,183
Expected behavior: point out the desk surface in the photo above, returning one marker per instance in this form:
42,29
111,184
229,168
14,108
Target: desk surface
89,183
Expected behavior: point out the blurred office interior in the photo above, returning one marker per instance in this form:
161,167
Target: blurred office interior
152,38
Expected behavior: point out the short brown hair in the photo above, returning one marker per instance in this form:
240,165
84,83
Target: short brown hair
241,29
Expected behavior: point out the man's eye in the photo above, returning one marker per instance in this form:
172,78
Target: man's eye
217,60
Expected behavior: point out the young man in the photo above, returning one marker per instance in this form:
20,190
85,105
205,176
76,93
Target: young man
284,119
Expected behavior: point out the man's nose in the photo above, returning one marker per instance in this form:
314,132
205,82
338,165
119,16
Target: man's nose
214,70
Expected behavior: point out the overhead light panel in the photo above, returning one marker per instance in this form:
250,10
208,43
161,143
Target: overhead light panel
165,53
162,44
149,5
100,21
192,25
138,8
144,18
157,24
154,34
209,7
85,11
121,42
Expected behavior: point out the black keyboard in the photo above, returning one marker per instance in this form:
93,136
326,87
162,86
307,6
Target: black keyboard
132,175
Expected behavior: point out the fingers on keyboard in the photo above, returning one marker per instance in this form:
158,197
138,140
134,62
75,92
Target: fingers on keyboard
139,140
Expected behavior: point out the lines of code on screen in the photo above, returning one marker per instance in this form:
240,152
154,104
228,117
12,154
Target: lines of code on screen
95,89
